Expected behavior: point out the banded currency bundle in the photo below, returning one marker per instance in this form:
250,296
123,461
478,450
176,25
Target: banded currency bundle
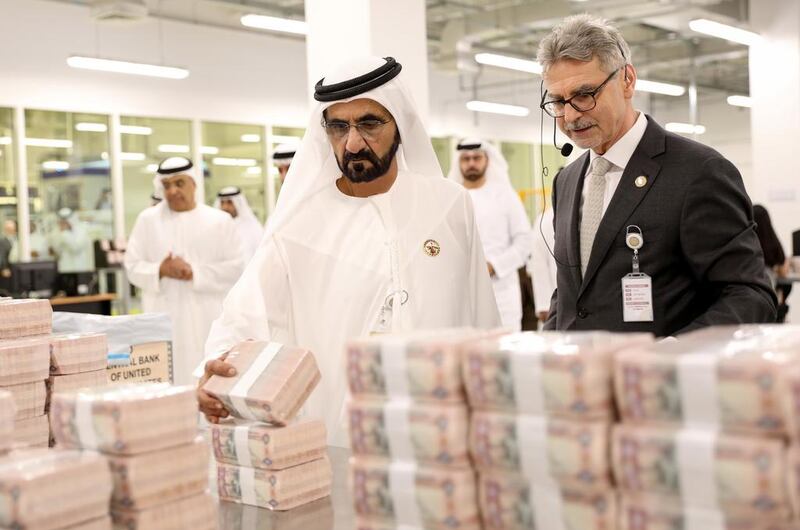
401,493
24,360
367,524
546,374
275,490
312,516
272,381
8,411
158,477
50,489
78,352
397,429
728,378
571,453
24,318
197,512
741,476
31,432
512,502
103,523
263,446
642,512
125,420
29,399
75,382
422,366
791,403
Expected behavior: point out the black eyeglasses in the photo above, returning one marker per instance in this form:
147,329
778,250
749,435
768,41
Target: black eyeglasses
369,129
583,102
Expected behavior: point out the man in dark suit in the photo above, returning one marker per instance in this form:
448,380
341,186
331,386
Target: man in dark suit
700,263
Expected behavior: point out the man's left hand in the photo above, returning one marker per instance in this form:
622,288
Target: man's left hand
492,274
183,269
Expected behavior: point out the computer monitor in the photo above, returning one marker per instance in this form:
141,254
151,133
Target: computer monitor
35,279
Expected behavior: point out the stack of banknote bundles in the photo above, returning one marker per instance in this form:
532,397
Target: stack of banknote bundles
25,366
542,408
48,489
702,439
148,433
266,457
408,425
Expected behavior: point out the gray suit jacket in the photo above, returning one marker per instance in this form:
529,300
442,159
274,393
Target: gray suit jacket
700,245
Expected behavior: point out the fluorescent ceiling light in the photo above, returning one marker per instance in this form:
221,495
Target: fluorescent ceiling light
151,168
498,108
724,31
135,129
172,148
241,162
251,138
125,67
5,140
656,87
254,170
55,165
132,157
209,150
48,142
512,63
91,127
685,128
740,101
284,139
285,25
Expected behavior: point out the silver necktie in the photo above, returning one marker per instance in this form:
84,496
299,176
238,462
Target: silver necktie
592,210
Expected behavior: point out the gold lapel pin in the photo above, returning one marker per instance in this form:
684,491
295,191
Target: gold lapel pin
432,248
641,181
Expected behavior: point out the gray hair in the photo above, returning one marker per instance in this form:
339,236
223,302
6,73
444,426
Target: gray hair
582,38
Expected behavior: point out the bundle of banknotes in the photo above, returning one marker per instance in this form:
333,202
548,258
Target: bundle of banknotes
31,432
546,374
264,446
647,512
316,515
572,454
739,475
729,378
428,433
510,501
422,365
125,420
195,512
272,382
8,411
51,489
78,352
29,399
75,382
401,493
158,477
275,489
24,318
24,360
791,402
101,523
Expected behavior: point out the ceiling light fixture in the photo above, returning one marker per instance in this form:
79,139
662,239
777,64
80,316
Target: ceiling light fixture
135,129
251,138
48,142
283,25
173,148
209,150
91,127
498,108
132,157
724,31
740,101
657,87
512,63
685,128
126,67
55,165
239,162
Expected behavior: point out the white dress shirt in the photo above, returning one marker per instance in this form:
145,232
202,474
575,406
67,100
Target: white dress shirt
619,154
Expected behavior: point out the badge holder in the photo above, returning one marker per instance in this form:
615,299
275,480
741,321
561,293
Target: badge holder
637,287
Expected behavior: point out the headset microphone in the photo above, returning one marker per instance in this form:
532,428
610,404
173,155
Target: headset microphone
565,149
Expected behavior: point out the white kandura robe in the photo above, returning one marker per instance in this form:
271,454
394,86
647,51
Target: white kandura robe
250,233
205,238
507,243
324,275
73,248
542,266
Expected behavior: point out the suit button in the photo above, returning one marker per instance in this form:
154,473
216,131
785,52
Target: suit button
582,313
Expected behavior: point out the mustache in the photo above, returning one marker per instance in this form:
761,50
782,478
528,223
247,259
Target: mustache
580,124
364,154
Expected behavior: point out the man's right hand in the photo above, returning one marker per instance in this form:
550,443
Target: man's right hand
210,406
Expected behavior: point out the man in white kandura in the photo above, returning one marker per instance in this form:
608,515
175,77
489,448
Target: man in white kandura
232,200
185,257
71,243
502,221
282,158
542,265
367,237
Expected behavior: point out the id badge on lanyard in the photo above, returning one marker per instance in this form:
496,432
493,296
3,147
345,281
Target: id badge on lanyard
637,287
